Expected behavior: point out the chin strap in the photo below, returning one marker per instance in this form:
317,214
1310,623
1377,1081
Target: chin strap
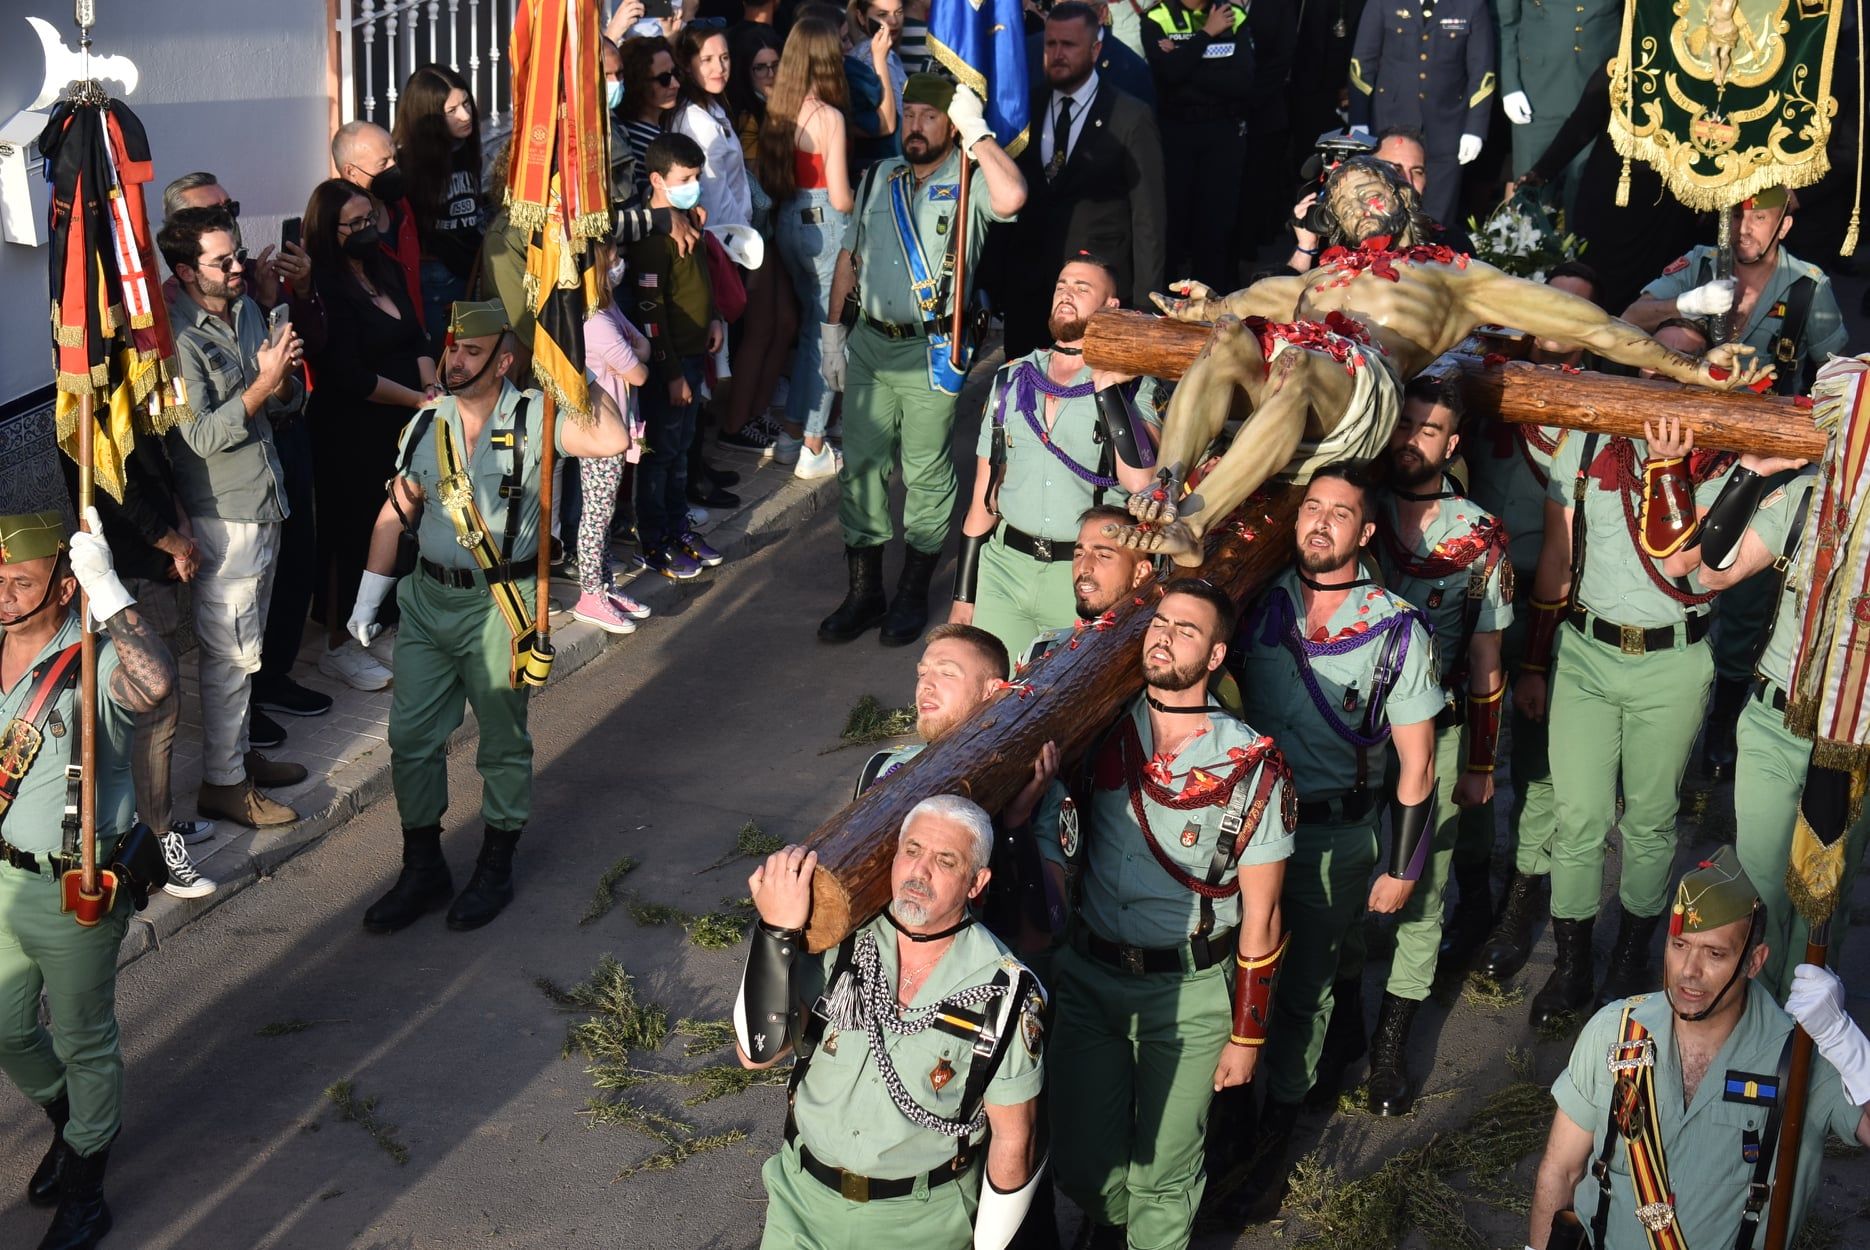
1728,517
1483,728
1124,427
1001,1212
1253,994
763,1013
1410,825
967,568
1667,520
1540,636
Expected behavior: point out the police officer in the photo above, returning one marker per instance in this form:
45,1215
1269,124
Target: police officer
1548,51
1335,668
1428,65
1178,830
468,484
1643,1104
898,401
75,1073
1059,437
912,1116
1201,55
960,669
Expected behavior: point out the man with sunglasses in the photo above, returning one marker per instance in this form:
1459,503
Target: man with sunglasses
232,489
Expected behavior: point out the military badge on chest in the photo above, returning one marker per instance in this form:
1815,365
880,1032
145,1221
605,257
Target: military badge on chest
1068,827
1351,698
1191,833
941,1074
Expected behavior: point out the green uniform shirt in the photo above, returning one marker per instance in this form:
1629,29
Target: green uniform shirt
1039,493
1324,764
1824,324
1126,895
1614,585
1773,522
226,465
1702,1144
35,821
883,763
870,238
843,1108
1508,479
487,467
1445,598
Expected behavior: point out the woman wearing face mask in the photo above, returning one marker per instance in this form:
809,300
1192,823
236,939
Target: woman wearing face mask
650,90
438,148
373,371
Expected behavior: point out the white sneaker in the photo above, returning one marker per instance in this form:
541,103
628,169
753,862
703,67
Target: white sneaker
353,666
697,517
184,881
822,463
193,831
786,449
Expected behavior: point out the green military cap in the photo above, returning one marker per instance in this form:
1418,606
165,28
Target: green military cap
1716,892
476,319
31,536
931,89
1772,197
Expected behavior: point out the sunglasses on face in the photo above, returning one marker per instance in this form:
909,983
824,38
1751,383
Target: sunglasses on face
227,264
665,79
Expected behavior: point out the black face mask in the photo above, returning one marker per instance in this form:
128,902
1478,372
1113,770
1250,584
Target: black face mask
389,185
362,243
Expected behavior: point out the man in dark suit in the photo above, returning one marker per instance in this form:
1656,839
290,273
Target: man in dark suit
1094,180
1117,63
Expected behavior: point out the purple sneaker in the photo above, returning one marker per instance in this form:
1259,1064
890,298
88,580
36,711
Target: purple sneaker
672,562
703,554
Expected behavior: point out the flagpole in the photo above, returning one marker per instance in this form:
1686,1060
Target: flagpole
1792,1122
548,430
957,315
87,679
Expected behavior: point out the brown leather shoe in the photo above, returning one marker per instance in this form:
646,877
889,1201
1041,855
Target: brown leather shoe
273,774
243,805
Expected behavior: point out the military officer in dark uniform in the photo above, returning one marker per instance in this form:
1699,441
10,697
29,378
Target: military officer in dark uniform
1429,65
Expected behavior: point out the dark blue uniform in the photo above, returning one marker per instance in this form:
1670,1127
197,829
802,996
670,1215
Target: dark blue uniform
1427,65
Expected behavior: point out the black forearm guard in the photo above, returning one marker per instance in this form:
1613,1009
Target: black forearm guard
1727,518
1116,413
967,567
1411,832
763,1013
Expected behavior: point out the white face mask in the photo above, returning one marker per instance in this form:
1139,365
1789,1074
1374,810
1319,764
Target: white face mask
616,271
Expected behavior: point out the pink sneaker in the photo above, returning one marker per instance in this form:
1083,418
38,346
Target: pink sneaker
598,610
626,606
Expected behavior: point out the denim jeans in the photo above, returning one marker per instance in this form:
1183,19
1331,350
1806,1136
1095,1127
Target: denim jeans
440,289
662,474
809,251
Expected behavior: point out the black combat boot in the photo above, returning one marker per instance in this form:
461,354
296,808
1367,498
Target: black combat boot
1629,971
1473,912
909,610
1718,748
421,887
1568,989
1345,1043
1260,1195
1390,1092
490,889
82,1217
42,1189
863,604
1510,944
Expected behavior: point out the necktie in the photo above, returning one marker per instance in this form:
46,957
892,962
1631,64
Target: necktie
1061,139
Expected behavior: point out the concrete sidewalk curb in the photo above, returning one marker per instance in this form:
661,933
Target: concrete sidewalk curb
329,803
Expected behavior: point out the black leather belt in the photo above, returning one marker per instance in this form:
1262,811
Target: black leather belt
54,865
895,330
1351,805
465,579
1635,639
857,1188
1044,550
1776,699
1205,952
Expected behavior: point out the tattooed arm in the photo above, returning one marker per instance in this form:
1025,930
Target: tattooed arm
145,672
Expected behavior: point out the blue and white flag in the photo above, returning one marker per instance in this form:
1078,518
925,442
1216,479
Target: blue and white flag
982,43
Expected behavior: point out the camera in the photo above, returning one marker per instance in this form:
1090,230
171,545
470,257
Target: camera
1329,150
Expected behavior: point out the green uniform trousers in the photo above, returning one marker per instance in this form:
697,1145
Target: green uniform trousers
43,948
1019,597
1132,1061
1419,923
891,411
802,1213
1602,702
1532,820
1768,780
1327,885
453,652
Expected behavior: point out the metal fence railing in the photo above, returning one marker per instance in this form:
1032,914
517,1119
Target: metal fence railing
381,42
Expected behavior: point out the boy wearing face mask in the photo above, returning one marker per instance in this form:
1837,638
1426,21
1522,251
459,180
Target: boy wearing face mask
668,297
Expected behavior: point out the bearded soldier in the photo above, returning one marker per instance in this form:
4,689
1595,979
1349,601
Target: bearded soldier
1103,571
959,670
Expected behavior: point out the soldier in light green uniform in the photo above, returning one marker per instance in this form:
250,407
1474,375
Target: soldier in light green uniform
463,623
1103,572
1336,669
1174,910
1058,438
75,1072
892,407
1626,692
959,671
1703,1065
912,1117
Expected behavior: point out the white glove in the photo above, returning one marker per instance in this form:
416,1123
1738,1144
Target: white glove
370,592
1470,148
832,356
1360,129
1710,299
969,117
1518,107
90,563
1816,1001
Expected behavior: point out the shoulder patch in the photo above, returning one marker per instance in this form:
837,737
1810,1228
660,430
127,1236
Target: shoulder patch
1032,1023
1675,266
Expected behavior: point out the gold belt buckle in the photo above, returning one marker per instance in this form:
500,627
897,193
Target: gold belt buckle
1130,959
1631,1056
19,745
455,491
1042,549
855,1188
1632,639
1656,1216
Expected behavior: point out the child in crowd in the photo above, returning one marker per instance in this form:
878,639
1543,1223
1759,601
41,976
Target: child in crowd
615,352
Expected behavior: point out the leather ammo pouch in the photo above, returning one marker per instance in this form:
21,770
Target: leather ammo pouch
139,865
1567,1232
407,545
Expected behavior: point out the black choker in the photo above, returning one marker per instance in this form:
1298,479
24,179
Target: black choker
950,931
1413,497
1315,584
1067,351
1201,710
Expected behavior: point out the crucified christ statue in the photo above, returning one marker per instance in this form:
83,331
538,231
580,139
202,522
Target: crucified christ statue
1316,363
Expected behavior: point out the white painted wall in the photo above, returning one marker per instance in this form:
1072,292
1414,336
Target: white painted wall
232,86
